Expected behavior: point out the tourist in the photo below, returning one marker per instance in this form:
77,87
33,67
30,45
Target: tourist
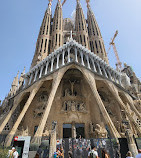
104,154
46,153
39,151
61,153
58,152
129,154
139,154
13,153
93,153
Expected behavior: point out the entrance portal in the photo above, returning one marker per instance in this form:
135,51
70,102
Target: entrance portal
80,130
67,130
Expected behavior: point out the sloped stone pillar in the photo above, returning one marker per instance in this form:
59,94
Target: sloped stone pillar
23,112
16,103
132,105
114,91
56,81
91,81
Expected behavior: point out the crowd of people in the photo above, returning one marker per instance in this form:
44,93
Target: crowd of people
60,153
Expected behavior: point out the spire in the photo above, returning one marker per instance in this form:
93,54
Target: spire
15,82
43,41
14,86
96,41
57,27
81,26
21,80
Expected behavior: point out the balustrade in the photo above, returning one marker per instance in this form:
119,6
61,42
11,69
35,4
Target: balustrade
92,62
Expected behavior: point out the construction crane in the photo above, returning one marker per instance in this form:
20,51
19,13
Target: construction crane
118,64
63,2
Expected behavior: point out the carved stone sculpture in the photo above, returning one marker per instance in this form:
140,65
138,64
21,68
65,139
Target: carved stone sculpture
100,132
23,132
74,106
91,128
54,123
39,111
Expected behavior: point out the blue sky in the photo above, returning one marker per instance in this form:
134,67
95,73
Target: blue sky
20,22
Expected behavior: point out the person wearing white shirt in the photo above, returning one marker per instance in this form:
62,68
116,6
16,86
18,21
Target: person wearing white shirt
13,153
93,153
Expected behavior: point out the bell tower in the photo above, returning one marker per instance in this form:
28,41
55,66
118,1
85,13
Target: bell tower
57,27
42,44
96,41
81,26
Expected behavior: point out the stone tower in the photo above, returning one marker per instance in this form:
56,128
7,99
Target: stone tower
43,41
81,26
57,27
96,41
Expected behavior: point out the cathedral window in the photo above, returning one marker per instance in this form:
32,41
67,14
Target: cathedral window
45,45
59,40
7,128
41,45
100,46
80,39
49,46
52,41
84,41
56,39
96,46
47,30
92,46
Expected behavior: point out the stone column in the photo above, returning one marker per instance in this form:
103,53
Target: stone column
57,65
52,62
52,140
109,74
131,143
93,64
41,70
30,79
36,73
88,62
63,56
52,143
99,68
26,82
91,80
68,55
104,71
26,106
82,61
76,59
55,84
73,130
46,67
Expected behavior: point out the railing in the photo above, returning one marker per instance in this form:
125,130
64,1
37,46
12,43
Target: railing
71,52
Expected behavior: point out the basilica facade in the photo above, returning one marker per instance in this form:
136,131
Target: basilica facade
71,82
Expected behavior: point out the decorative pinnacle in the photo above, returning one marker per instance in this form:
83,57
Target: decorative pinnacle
88,3
50,2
